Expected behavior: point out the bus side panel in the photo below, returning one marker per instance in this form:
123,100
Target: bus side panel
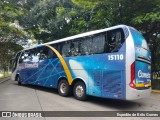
103,74
113,78
49,71
44,73
103,77
31,69
22,72
27,72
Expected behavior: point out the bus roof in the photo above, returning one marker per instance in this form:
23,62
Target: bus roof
79,36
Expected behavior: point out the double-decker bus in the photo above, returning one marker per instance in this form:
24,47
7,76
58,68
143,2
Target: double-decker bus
111,63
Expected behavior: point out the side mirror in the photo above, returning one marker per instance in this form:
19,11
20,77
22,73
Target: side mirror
20,60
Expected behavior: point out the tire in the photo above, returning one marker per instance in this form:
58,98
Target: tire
19,80
79,91
63,88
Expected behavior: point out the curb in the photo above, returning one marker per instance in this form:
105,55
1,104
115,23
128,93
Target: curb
156,91
2,80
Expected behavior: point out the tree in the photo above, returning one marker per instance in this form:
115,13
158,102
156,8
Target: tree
7,52
10,31
49,20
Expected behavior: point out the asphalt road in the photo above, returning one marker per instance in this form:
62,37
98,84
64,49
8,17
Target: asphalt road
33,98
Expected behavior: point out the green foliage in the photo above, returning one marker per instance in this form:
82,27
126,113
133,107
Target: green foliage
86,4
10,31
64,18
7,51
9,27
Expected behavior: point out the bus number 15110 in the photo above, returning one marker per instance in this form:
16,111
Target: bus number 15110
115,57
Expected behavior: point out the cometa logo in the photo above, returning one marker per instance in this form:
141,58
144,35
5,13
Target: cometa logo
143,75
35,65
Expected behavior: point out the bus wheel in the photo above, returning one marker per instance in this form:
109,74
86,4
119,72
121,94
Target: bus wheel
79,91
63,88
19,80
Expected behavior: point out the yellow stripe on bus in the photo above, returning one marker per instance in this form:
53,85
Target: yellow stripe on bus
66,69
143,85
139,85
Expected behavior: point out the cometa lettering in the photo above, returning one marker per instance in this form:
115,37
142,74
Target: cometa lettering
31,65
143,75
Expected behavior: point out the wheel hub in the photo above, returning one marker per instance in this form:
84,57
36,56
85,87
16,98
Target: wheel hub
63,88
79,91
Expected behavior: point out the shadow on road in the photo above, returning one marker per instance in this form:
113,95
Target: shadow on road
51,90
114,103
105,102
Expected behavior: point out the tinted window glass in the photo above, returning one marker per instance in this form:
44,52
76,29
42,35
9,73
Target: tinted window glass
25,56
98,44
34,55
66,49
45,53
93,44
86,45
110,41
115,40
51,52
74,48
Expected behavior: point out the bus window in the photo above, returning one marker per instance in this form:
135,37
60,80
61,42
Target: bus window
66,49
74,48
92,44
115,40
45,53
25,57
98,44
86,45
53,54
34,55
